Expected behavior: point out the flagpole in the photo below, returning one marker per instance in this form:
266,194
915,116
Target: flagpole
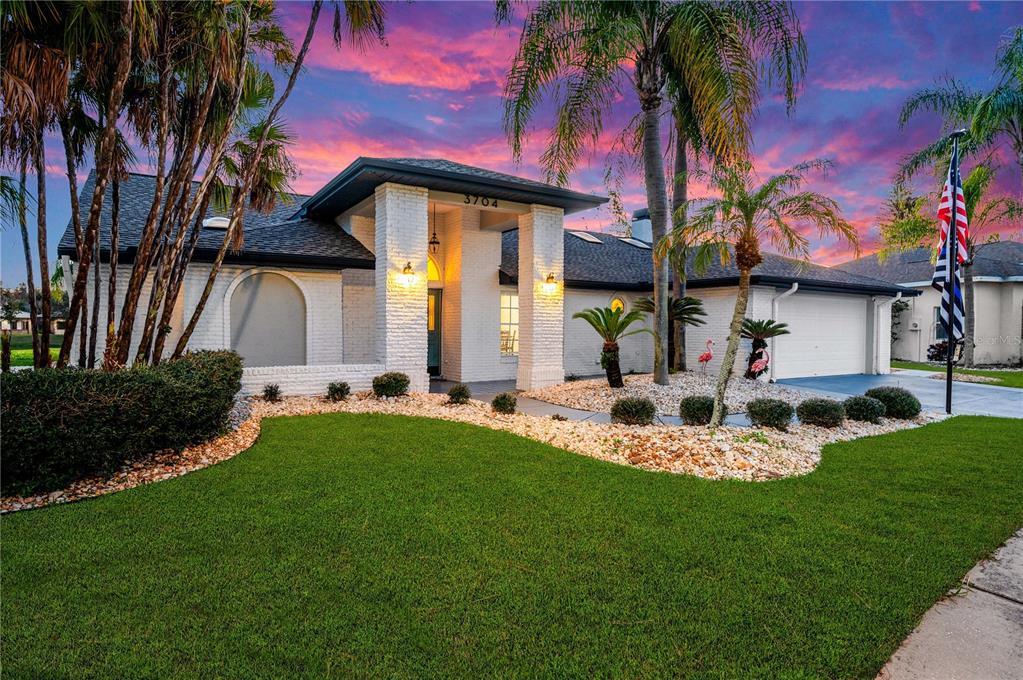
951,261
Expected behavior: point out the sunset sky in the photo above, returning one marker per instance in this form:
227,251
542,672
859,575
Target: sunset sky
435,91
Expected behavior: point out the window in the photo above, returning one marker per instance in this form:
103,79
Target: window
939,326
617,304
432,270
590,238
509,325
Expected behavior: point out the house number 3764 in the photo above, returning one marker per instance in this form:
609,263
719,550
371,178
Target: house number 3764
473,199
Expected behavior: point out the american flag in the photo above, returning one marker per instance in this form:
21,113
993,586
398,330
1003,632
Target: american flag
941,280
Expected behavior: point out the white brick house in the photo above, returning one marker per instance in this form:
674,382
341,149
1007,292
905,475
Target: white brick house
344,285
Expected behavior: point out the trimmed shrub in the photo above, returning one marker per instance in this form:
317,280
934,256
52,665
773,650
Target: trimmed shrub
391,384
560,418
696,410
898,402
864,409
770,413
822,412
60,425
459,394
504,403
338,391
272,392
633,411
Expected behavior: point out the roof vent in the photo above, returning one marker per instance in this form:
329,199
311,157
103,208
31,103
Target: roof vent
635,242
589,238
216,223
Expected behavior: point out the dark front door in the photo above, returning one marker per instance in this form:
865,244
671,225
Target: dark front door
433,316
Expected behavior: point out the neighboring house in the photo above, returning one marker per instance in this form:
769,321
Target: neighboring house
341,285
998,300
22,321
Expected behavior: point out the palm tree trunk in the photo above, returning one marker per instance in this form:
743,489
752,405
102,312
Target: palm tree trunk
971,319
29,269
115,219
679,196
728,361
39,154
94,324
103,171
657,205
76,222
243,187
613,365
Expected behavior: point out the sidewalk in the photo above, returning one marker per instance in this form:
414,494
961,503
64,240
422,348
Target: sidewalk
976,633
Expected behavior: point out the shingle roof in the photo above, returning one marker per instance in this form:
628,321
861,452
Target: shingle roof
1001,259
615,264
269,238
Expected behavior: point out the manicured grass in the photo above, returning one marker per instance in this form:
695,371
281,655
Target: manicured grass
21,348
370,545
1005,378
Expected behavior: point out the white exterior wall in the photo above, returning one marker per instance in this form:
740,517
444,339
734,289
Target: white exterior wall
998,323
358,316
583,346
719,303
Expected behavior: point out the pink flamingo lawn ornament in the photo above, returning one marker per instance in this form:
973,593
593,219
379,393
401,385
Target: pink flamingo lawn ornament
760,365
706,356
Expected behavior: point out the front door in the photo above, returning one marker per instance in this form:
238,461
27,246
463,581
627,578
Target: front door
433,332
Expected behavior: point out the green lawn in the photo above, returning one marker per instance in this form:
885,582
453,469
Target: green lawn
1005,378
21,348
371,545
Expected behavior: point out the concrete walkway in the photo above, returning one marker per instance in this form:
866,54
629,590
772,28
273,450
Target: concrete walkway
485,391
975,634
967,398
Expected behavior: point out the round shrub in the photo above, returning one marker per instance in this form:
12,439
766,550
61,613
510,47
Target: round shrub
459,394
338,391
633,411
898,403
504,403
390,384
696,410
822,412
272,392
864,409
770,413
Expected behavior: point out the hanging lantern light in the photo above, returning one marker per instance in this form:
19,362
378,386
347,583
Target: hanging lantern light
434,241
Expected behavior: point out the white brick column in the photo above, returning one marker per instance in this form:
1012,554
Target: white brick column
401,237
541,307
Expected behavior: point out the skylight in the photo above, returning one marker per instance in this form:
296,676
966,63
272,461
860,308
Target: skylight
634,242
590,238
216,223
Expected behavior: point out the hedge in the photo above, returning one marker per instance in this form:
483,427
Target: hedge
459,394
696,410
390,384
821,412
864,409
769,413
59,425
504,403
898,402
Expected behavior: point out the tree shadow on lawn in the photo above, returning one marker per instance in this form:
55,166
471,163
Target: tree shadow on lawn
374,544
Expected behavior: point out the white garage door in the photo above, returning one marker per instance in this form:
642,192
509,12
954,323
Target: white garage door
827,335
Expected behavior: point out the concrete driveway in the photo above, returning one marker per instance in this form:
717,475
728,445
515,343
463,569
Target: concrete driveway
967,398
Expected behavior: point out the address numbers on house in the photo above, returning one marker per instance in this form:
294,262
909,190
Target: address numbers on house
474,199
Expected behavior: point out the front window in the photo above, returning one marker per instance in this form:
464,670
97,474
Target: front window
939,326
618,305
509,324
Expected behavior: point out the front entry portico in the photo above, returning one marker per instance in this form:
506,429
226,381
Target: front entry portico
457,334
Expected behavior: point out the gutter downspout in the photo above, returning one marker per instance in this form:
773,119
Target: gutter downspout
878,306
774,315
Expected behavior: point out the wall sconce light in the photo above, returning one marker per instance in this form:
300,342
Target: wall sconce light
550,284
408,275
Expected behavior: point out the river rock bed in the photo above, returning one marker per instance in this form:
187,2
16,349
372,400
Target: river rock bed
724,453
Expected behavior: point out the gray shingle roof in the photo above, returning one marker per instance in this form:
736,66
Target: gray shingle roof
269,238
615,264
463,169
1001,259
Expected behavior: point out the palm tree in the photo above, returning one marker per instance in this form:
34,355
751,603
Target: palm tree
684,311
1001,110
612,325
745,215
760,331
579,51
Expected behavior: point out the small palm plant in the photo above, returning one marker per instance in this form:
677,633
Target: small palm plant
760,331
611,325
687,311
747,214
